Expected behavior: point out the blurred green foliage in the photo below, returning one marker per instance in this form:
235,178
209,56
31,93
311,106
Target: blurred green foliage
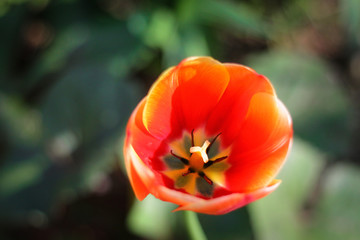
71,71
336,215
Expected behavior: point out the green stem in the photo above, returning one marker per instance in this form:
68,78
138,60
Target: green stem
193,226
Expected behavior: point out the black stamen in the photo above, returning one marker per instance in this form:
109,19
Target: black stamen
192,138
208,180
190,170
211,143
211,162
183,160
219,159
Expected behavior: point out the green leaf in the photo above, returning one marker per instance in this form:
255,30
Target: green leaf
18,175
281,215
233,225
337,213
350,16
141,219
234,16
277,216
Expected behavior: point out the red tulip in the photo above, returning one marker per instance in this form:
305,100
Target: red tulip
209,137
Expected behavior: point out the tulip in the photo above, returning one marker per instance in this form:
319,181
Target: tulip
209,137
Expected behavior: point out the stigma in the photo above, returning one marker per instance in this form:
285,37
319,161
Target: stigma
202,151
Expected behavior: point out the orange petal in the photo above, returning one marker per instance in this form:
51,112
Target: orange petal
158,111
134,136
262,144
144,144
230,112
228,203
146,174
138,186
202,82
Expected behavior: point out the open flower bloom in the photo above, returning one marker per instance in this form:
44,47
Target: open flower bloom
209,137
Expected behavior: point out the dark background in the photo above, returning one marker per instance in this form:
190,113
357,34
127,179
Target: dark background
71,71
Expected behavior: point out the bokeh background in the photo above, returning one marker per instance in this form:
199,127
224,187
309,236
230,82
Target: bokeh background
71,71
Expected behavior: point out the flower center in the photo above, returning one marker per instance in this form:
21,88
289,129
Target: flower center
195,168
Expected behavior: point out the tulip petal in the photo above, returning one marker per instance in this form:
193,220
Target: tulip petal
145,173
177,197
228,203
262,145
134,135
230,112
202,82
158,111
137,185
144,144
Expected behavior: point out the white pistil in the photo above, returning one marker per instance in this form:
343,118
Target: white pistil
201,150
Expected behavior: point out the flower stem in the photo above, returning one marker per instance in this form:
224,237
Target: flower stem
193,226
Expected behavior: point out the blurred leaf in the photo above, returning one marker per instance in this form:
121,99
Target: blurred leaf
67,128
87,90
85,96
87,108
232,16
142,222
22,124
350,15
161,29
163,33
19,174
280,215
10,25
88,44
277,216
319,108
56,56
337,215
22,185
194,43
231,226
